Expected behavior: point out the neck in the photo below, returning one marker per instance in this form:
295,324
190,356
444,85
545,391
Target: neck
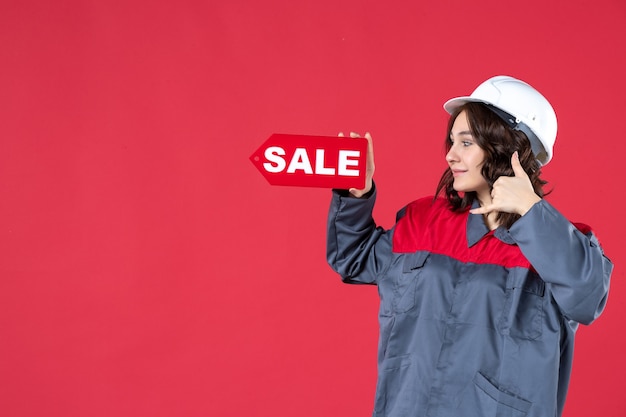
490,220
484,199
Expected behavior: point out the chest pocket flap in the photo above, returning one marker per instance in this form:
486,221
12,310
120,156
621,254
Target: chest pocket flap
404,286
414,261
530,283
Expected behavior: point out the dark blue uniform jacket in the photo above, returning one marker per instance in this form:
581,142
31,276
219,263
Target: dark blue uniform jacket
473,322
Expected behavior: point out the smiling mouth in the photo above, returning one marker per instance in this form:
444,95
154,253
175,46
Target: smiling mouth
456,172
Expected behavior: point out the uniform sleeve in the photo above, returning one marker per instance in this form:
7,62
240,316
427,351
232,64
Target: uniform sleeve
355,247
569,259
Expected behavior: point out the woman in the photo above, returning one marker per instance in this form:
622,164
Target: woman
482,287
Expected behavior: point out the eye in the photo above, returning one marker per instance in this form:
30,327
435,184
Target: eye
467,143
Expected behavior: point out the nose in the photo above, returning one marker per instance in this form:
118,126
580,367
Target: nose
451,156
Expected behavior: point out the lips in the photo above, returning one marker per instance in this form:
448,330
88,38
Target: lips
457,172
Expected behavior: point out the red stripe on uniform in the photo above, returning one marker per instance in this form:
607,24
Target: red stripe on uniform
433,227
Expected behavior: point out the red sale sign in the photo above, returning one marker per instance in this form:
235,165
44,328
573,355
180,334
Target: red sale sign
312,161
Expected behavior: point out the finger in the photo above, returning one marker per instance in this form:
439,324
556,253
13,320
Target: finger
370,143
340,134
518,170
482,210
354,135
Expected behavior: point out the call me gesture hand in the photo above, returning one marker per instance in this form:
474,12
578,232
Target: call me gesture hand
511,194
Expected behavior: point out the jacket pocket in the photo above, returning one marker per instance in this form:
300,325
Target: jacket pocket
523,308
405,284
483,398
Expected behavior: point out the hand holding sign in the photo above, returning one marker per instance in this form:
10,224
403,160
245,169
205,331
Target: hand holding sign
313,161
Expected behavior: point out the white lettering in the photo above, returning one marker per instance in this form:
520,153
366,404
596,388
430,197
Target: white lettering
345,162
272,154
301,161
319,164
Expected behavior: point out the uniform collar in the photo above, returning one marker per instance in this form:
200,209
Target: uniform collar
477,229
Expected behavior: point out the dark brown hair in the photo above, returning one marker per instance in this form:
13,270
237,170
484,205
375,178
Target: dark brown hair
499,142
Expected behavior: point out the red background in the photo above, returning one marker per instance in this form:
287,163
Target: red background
148,269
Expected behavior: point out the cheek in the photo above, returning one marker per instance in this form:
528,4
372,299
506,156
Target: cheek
479,158
476,160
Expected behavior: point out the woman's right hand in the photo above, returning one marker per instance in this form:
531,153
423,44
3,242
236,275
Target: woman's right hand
369,169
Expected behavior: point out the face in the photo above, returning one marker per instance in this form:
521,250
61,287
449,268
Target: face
465,159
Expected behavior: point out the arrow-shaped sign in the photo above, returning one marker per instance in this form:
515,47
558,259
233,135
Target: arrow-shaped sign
312,161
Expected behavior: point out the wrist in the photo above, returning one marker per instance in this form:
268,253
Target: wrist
528,205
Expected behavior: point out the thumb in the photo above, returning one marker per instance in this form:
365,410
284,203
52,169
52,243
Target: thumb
370,147
518,170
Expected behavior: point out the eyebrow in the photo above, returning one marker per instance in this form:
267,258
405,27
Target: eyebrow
461,133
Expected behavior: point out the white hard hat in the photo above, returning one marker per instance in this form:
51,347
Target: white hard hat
521,106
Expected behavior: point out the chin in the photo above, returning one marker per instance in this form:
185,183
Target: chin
460,189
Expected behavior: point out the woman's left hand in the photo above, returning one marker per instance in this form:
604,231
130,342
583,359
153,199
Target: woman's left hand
511,194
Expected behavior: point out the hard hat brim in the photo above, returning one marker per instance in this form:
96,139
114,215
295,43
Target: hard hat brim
454,103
